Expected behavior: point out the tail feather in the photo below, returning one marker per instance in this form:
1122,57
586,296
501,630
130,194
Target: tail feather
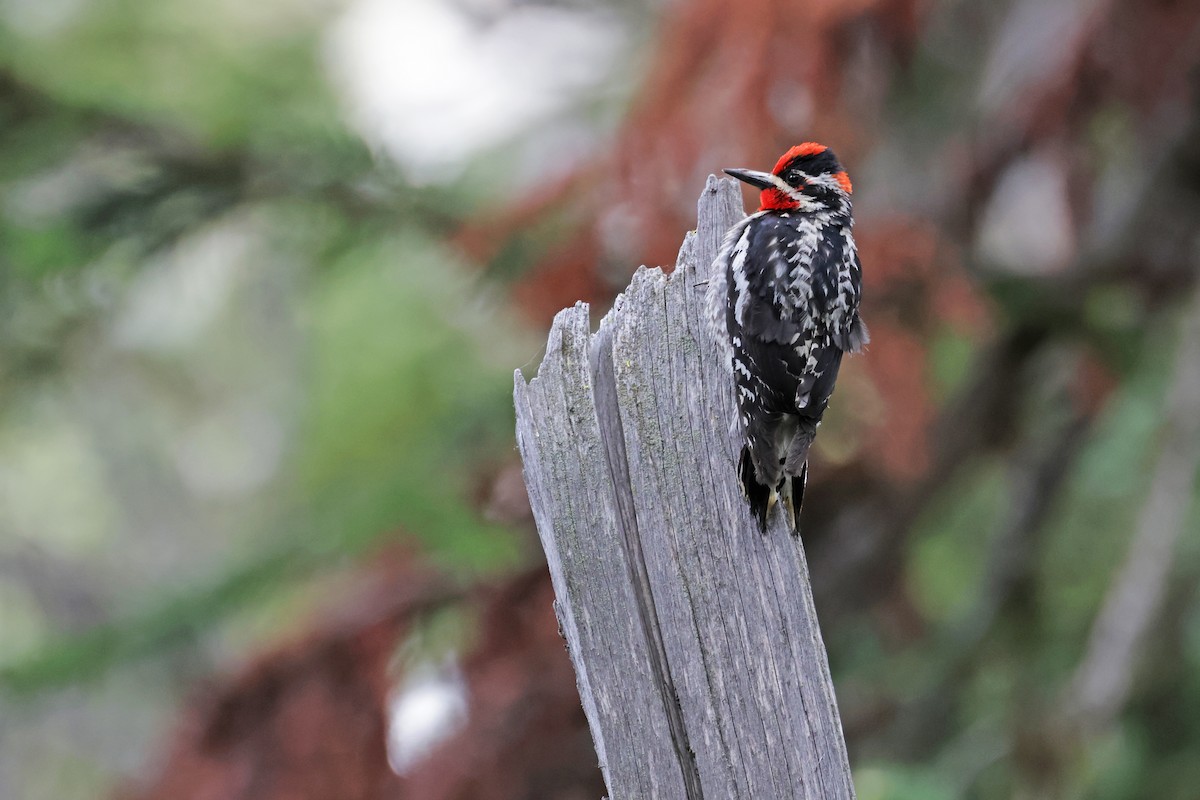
796,485
790,492
759,496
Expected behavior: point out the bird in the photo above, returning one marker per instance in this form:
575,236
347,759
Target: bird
784,305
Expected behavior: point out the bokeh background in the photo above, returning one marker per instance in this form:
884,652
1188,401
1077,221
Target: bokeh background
266,270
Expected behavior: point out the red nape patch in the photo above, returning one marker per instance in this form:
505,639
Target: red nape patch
805,149
776,200
844,181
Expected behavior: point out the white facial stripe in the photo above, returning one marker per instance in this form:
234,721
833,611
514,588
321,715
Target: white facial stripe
787,188
828,181
804,202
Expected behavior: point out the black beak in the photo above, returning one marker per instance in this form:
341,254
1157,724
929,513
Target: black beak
761,180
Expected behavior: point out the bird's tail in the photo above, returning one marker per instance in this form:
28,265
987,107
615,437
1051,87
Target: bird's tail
761,497
793,478
792,493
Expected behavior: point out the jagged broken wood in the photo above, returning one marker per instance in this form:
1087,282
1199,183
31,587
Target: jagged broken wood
699,661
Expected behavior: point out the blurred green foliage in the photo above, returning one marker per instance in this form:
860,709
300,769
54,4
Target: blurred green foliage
234,353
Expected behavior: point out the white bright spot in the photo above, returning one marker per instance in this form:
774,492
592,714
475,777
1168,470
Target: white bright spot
1035,42
38,18
174,300
229,452
428,708
1027,225
431,83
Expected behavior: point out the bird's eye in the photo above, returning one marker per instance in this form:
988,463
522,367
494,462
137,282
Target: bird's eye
794,175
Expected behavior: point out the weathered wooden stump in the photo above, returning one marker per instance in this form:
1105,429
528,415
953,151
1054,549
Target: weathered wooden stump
695,643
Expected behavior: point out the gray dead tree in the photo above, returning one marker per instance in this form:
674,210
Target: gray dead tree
694,639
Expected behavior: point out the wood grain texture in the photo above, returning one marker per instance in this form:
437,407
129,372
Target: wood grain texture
695,643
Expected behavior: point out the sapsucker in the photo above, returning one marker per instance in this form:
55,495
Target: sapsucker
784,296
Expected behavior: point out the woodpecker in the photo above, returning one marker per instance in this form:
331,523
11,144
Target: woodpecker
784,302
